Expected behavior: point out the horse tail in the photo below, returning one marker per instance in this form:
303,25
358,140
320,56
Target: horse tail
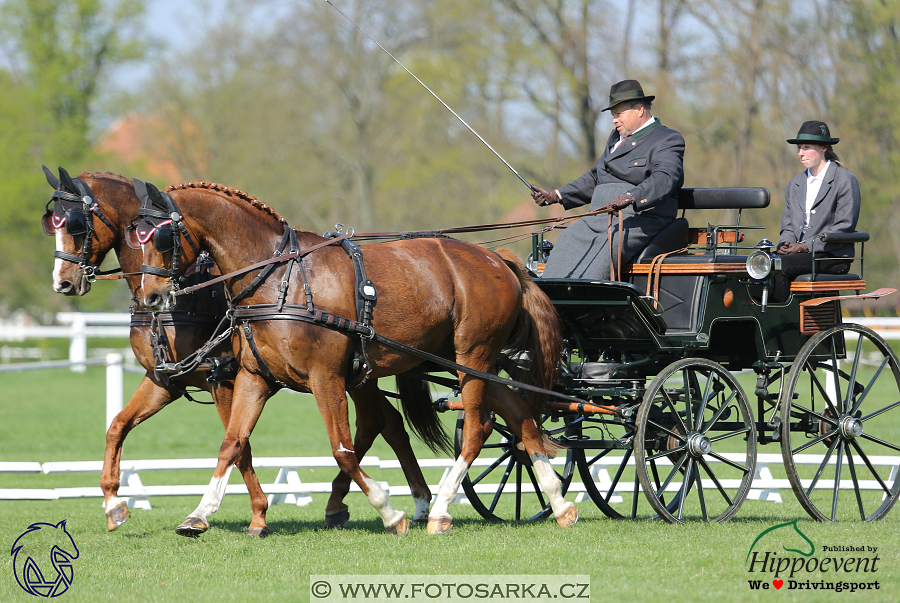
537,333
420,413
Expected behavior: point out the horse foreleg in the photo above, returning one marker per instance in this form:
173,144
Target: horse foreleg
369,423
148,400
331,399
250,395
520,419
222,395
476,429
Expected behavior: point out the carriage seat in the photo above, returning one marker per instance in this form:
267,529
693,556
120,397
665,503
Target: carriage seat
832,282
677,234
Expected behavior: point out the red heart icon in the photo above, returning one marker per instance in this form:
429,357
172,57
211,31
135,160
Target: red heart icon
778,583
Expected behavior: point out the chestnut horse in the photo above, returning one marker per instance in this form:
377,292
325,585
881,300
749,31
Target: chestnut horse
101,229
438,295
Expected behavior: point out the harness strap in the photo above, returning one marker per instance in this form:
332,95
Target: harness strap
614,269
248,335
258,265
654,276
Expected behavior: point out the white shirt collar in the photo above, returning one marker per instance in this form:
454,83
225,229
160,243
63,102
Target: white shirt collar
821,176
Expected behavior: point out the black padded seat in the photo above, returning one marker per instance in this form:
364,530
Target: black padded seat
723,198
671,238
823,277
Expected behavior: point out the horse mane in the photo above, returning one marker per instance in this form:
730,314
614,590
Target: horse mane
229,191
106,176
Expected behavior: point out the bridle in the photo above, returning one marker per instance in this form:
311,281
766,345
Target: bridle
75,213
160,219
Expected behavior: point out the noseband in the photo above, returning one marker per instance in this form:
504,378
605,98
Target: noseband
76,213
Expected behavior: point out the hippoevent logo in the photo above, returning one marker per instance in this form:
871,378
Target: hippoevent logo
784,557
42,559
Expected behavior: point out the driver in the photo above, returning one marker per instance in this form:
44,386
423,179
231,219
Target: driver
640,171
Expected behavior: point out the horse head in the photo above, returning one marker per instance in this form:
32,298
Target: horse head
85,224
167,246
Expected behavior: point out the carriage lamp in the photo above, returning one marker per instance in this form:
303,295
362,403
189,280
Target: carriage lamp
760,266
762,262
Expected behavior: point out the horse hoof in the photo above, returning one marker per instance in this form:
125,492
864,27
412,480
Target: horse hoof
337,519
400,528
116,516
259,532
568,518
192,527
439,525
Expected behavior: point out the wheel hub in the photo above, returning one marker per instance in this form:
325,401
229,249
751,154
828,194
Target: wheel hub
698,445
851,427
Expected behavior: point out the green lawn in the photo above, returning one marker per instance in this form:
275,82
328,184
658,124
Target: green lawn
58,415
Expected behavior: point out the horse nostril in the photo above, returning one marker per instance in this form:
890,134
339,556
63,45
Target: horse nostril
154,300
64,287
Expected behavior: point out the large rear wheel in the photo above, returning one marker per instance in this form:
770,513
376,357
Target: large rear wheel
840,411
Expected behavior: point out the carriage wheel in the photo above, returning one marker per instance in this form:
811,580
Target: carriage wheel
613,459
695,413
510,472
842,403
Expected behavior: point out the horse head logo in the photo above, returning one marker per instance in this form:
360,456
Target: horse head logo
787,534
30,552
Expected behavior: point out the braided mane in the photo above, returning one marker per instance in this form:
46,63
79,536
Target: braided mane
231,192
105,175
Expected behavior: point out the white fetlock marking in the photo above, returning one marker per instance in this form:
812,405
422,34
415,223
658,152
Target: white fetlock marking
212,499
110,504
422,506
549,483
449,488
379,499
342,449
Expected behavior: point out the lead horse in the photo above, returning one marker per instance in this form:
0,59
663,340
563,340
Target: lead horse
85,232
440,296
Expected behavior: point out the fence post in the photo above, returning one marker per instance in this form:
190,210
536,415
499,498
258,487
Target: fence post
78,342
114,385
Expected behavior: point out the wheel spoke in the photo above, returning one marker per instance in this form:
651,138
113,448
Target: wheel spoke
868,464
878,412
836,374
822,466
859,502
730,434
685,487
704,400
671,404
621,470
715,480
518,491
719,412
814,441
872,438
688,398
703,512
493,466
671,476
837,482
831,420
666,453
537,489
731,463
680,436
865,392
852,379
502,485
656,480
815,380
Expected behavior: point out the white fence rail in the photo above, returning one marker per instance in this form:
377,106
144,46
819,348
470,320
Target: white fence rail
288,486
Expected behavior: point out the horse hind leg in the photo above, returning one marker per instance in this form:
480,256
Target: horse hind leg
518,416
332,402
148,400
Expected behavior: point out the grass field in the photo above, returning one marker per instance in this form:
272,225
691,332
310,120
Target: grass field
57,415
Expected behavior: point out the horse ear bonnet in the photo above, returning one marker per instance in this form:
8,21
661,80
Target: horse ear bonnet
52,180
67,181
140,189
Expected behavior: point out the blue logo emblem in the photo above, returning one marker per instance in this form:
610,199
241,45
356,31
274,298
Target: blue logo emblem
34,572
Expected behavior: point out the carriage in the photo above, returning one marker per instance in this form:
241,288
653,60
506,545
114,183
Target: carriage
664,362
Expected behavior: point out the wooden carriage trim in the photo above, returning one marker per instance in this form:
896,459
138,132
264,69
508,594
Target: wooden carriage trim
711,268
828,286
